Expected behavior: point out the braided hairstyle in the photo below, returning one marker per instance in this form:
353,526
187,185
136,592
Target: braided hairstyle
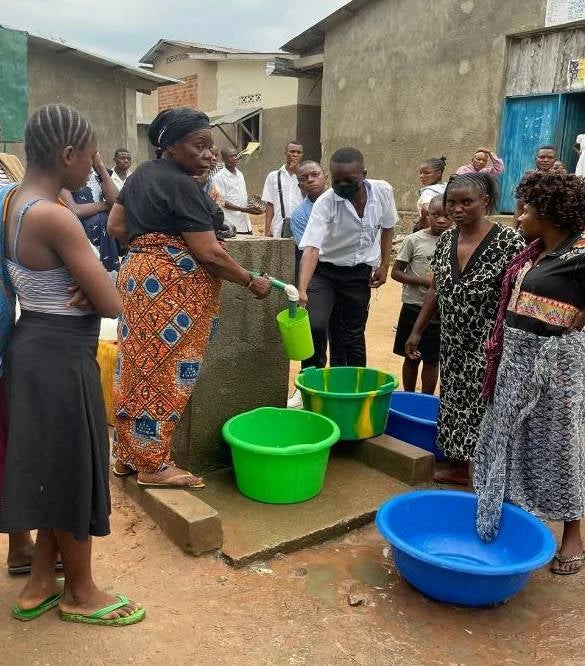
436,163
52,128
480,182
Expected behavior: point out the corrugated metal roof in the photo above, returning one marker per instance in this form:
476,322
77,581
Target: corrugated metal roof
234,116
138,72
312,40
150,56
76,51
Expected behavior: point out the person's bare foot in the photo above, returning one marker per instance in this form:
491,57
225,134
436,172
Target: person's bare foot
94,601
571,558
171,476
37,591
122,470
457,475
21,548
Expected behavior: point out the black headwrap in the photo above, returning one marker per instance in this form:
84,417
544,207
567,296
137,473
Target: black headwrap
172,125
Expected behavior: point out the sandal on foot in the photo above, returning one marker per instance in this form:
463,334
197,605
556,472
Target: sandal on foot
26,614
568,560
168,483
25,569
98,617
123,475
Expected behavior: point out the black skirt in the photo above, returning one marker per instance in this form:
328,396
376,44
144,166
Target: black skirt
430,342
57,462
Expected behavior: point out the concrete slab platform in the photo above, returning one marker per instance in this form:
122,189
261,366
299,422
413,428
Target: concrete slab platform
253,531
187,521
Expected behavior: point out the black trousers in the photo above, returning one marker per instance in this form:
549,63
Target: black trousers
339,298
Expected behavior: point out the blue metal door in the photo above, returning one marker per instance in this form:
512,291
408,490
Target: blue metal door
527,124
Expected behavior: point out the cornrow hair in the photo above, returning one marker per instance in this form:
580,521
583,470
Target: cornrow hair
437,163
52,128
481,182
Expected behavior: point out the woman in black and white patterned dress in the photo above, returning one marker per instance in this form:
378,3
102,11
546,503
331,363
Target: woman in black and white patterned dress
468,267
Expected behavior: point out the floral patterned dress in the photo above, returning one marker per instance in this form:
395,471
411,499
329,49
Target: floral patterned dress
468,302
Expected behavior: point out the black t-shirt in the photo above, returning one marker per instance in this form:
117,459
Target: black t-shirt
160,197
547,297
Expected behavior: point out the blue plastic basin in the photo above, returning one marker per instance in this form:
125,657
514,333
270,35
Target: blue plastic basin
413,419
437,550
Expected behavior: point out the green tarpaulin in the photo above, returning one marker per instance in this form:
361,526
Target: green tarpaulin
13,85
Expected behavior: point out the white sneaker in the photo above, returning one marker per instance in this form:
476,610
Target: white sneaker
295,401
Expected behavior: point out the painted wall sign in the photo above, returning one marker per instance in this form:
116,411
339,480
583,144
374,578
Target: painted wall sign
576,74
564,11
177,57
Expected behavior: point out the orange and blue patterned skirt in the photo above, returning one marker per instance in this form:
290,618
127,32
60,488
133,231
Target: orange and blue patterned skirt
170,308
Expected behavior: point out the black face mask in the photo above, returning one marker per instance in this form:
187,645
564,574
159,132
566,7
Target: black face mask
347,191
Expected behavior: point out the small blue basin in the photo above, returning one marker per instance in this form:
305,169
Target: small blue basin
413,419
437,550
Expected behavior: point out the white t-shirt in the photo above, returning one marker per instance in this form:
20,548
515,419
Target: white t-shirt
291,195
118,182
417,251
427,193
232,187
580,168
341,236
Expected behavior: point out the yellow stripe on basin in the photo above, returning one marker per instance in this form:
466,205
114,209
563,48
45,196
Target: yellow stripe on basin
326,377
358,380
364,426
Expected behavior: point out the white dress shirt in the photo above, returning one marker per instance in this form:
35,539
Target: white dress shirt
232,188
118,182
291,195
341,236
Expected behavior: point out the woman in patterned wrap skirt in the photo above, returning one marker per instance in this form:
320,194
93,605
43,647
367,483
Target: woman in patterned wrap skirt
531,449
169,283
468,266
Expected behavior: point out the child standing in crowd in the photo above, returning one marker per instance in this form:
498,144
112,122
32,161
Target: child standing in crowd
412,269
56,478
430,174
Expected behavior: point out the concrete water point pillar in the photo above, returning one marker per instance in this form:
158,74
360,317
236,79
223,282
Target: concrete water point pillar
245,366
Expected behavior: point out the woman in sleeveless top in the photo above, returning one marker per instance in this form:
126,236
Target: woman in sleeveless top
169,284
56,477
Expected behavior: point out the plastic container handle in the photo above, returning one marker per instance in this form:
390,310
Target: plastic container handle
292,293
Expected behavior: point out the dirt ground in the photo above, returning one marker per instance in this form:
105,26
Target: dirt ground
294,609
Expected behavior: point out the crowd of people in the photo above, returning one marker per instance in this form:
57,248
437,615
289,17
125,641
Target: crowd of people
497,309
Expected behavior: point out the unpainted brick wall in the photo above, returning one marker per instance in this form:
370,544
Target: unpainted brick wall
170,97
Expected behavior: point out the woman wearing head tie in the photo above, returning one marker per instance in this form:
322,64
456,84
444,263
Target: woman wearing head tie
169,286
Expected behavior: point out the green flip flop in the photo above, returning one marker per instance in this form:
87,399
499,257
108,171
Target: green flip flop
98,616
26,614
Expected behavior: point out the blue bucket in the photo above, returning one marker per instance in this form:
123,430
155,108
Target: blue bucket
413,419
437,550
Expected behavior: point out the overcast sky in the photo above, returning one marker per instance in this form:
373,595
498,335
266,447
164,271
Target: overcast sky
126,29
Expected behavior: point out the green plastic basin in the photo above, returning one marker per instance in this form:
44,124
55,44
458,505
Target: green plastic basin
280,455
357,399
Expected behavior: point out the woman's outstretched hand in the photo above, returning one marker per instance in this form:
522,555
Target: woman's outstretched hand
260,287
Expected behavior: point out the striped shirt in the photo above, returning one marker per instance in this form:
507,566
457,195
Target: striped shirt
4,180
